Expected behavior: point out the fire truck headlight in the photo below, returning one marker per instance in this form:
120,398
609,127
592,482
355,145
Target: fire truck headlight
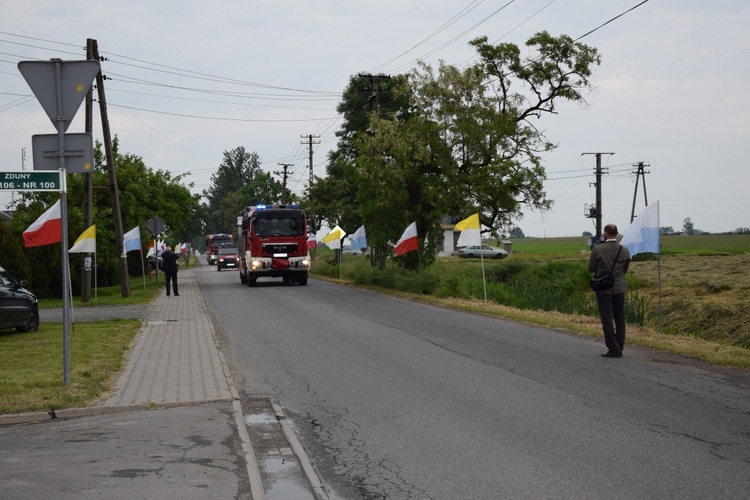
305,262
256,264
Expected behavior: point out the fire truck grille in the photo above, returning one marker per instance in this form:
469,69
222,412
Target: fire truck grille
271,248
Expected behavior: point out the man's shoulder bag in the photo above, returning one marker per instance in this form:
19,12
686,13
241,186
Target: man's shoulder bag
605,281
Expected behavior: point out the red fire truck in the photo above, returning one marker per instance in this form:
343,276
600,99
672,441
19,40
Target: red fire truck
273,243
214,241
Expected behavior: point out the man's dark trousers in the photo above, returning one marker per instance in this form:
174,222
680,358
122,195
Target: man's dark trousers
612,314
171,279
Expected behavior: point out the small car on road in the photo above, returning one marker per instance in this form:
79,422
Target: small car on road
478,251
226,257
19,307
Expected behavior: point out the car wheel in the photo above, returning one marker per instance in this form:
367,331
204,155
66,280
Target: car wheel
470,256
32,325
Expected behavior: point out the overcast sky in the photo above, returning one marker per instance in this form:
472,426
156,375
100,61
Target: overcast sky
188,80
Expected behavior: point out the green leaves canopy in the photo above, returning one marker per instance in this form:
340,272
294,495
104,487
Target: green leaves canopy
454,142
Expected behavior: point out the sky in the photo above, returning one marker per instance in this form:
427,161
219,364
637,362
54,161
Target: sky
188,80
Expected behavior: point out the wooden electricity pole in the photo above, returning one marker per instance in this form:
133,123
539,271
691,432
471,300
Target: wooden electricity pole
283,183
114,193
88,183
638,174
598,184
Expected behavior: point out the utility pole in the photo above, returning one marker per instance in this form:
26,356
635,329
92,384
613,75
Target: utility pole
283,183
598,184
374,87
88,184
114,194
638,174
310,143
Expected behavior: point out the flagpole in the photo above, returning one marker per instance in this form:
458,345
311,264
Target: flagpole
143,268
96,282
484,281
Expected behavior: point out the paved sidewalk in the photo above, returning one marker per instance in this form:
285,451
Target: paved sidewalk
175,358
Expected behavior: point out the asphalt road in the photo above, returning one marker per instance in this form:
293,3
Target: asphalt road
398,400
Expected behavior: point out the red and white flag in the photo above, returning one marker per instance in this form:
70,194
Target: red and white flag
408,241
312,241
47,229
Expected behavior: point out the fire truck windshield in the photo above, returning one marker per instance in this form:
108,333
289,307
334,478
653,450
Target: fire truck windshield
280,226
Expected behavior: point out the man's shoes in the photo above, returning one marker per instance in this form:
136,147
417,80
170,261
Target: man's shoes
167,295
176,294
611,354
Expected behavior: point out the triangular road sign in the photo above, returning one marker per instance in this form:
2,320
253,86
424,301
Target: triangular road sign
76,78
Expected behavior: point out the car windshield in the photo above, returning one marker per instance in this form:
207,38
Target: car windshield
227,251
5,278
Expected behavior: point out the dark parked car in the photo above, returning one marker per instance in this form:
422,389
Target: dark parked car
18,307
481,251
226,257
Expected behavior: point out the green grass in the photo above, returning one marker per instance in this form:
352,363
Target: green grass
112,295
704,244
31,365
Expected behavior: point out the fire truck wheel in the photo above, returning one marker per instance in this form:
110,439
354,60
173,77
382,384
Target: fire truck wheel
252,281
302,280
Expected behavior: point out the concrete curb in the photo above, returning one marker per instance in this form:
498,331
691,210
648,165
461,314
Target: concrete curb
24,418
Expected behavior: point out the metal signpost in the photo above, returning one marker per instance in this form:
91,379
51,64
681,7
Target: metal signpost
60,87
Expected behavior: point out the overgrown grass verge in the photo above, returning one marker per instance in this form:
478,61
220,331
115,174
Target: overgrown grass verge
31,365
112,295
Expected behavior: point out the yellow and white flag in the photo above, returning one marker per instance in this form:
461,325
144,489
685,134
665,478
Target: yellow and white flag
470,231
86,243
333,239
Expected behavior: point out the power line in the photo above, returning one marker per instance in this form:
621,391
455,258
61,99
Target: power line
445,25
220,118
616,17
452,40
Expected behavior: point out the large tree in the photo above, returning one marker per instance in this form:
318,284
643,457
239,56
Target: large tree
485,112
333,198
468,144
238,182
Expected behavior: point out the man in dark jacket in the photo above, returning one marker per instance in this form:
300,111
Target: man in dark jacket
169,266
611,302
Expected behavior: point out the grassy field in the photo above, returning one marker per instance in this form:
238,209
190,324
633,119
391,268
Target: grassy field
704,244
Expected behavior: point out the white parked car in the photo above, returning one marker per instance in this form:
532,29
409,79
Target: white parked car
478,251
